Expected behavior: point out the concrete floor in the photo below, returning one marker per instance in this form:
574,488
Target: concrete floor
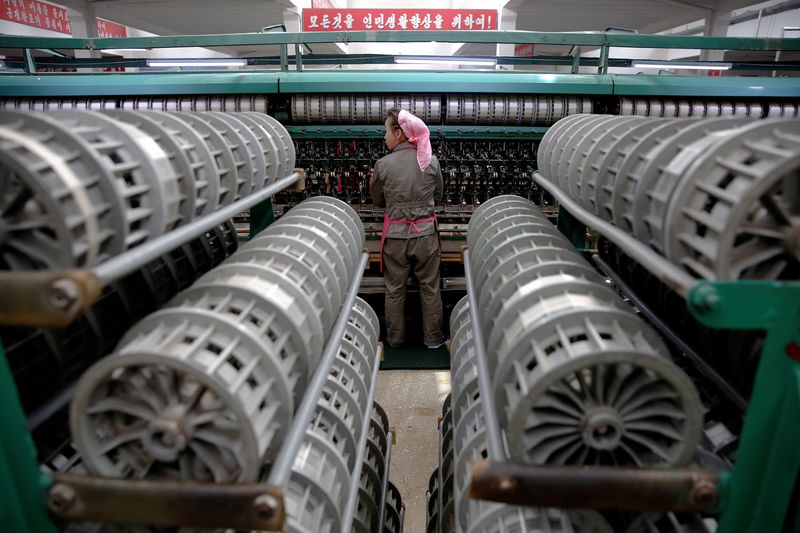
413,401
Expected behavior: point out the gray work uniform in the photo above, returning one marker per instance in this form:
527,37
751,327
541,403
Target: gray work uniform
407,193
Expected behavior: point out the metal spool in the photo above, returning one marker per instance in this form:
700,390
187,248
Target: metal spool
327,425
546,150
671,523
356,353
615,155
118,223
607,131
325,224
495,208
51,214
597,153
265,308
293,244
527,263
350,381
218,425
462,354
254,148
602,198
374,460
580,339
379,416
510,244
331,220
492,212
363,318
365,516
225,165
394,504
516,313
501,227
470,446
181,167
655,153
560,144
268,252
568,144
288,295
500,519
140,167
318,238
345,212
239,141
268,149
281,138
316,489
339,402
197,163
735,212
377,436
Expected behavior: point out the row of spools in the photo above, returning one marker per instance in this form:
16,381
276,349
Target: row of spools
230,103
717,196
577,377
83,186
206,388
45,360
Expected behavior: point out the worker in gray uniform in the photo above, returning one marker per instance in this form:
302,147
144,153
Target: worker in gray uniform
408,183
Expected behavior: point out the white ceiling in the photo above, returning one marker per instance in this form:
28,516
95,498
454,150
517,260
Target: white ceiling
169,17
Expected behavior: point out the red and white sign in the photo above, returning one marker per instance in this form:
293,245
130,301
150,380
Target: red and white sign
37,14
108,29
399,19
523,50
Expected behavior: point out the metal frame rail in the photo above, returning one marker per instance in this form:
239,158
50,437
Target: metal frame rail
760,492
29,493
385,481
603,40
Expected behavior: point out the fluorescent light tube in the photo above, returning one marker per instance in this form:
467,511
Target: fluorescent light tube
476,62
685,66
196,62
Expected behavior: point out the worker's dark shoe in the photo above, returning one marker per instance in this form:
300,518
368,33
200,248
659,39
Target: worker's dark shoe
438,344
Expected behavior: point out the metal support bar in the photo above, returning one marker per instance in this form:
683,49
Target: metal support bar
576,60
134,259
298,57
45,298
22,505
355,478
248,507
606,488
284,57
30,62
282,468
672,275
52,406
492,423
700,363
603,67
385,483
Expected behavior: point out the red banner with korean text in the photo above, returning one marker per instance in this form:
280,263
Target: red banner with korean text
108,30
398,19
37,14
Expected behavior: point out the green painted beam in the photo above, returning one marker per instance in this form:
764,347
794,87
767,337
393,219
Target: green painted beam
446,81
758,494
705,86
22,486
139,84
475,36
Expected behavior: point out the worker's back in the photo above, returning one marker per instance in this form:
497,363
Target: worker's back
407,192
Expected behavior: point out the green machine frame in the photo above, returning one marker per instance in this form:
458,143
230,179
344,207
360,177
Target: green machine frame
762,488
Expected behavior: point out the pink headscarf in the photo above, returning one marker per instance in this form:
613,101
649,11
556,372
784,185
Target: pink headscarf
417,133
